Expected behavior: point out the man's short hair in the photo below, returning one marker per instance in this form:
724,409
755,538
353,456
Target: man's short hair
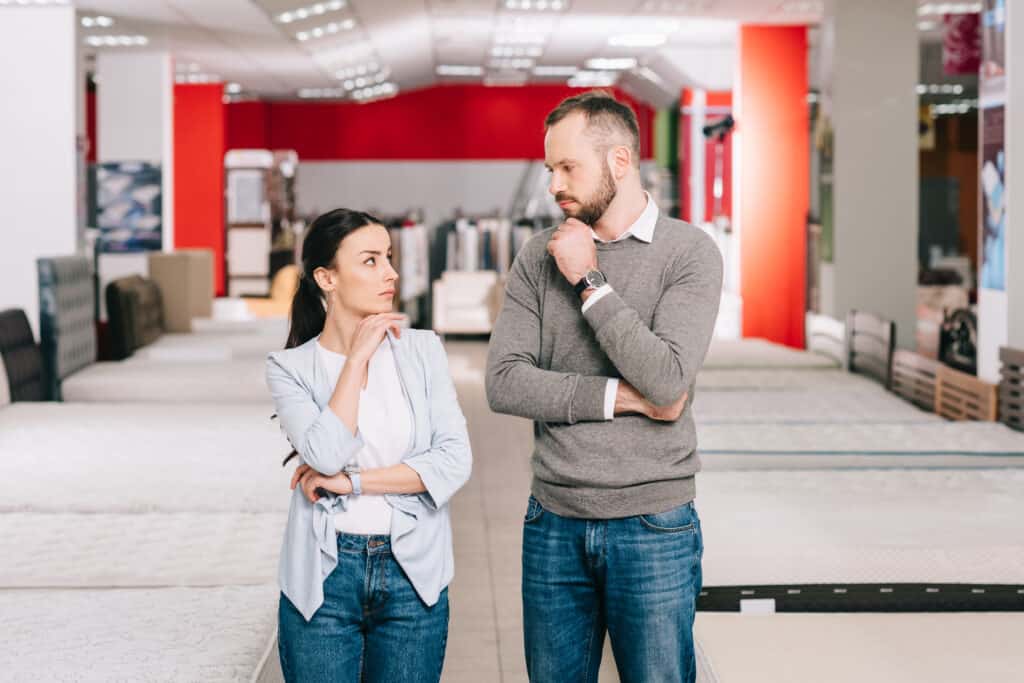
605,115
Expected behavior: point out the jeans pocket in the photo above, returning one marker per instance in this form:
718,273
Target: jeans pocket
533,511
680,520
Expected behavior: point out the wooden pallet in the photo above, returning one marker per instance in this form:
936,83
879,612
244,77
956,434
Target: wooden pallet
870,342
1011,388
913,378
959,396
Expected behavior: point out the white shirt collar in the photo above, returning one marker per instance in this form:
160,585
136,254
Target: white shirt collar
643,227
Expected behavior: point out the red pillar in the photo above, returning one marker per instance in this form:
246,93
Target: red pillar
772,166
198,172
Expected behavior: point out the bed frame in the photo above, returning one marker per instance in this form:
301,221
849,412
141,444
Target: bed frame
871,341
1011,388
914,378
826,336
67,317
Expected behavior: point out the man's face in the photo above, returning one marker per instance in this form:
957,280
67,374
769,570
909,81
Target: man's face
581,181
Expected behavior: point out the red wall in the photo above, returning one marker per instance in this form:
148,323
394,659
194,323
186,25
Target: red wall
199,142
441,122
772,126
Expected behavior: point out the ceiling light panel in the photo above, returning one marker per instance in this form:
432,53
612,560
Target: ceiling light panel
535,5
593,79
116,41
97,22
310,11
611,63
329,29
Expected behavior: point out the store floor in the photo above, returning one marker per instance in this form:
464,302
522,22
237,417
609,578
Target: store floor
485,639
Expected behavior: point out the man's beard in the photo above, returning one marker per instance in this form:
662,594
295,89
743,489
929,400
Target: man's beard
591,210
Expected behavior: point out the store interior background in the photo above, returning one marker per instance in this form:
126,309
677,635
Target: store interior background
849,181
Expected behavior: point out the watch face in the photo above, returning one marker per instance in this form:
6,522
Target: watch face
595,279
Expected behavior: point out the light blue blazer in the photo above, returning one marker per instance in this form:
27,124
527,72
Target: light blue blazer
421,535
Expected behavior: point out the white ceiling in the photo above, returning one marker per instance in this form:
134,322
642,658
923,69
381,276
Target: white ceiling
404,41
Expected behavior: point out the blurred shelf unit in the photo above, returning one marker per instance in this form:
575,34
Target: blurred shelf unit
410,247
261,230
471,257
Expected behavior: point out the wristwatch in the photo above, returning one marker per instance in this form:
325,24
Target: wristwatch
352,472
592,280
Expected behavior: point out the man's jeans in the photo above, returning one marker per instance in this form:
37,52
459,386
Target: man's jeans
372,626
638,578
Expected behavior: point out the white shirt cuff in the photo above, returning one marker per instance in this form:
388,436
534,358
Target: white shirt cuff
596,296
610,390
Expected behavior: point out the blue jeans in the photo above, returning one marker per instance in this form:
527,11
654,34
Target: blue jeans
636,578
372,625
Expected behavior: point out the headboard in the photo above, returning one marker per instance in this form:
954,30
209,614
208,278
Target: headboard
134,313
67,317
826,336
22,362
871,341
1011,387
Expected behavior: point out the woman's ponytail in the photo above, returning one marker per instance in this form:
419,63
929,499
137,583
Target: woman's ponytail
308,314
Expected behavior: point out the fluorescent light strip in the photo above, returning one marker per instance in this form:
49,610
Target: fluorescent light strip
459,70
593,79
116,41
950,8
537,5
555,71
318,93
326,30
638,40
611,63
316,10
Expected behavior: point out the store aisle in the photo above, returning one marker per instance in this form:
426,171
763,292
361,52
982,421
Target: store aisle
485,641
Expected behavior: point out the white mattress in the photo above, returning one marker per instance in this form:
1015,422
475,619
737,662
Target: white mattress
141,458
780,406
930,438
821,380
853,648
166,634
140,380
761,353
211,347
898,526
64,550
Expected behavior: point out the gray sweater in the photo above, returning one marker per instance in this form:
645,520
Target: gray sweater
550,362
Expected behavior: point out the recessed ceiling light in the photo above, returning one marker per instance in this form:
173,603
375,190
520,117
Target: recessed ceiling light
116,41
233,88
536,5
326,30
611,63
100,21
511,63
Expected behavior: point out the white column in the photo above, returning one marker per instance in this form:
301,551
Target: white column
135,122
37,138
871,47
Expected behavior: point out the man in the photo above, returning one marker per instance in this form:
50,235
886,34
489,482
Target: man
605,323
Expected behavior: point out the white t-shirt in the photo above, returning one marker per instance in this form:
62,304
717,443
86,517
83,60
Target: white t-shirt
385,423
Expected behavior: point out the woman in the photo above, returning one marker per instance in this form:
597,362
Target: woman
371,411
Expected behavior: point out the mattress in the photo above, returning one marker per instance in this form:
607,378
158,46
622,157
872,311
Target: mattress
822,380
140,380
863,527
211,347
66,550
942,437
875,406
761,353
141,458
853,648
167,634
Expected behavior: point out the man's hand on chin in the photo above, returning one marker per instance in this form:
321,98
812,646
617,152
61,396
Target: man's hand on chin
572,246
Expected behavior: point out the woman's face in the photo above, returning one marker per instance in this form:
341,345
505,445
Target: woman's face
362,279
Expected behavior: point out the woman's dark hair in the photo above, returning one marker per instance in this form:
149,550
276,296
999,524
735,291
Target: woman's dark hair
318,251
319,248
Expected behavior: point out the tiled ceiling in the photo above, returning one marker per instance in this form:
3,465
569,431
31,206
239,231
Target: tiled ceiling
364,49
